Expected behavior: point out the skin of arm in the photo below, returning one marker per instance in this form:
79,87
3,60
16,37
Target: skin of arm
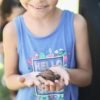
82,75
11,57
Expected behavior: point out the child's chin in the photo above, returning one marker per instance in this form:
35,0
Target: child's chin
49,75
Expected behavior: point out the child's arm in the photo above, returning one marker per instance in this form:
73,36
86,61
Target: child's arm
10,57
81,75
11,60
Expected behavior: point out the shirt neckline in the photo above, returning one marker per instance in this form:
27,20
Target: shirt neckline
50,34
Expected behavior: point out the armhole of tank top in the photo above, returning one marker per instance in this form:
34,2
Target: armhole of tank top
17,25
73,40
73,28
70,16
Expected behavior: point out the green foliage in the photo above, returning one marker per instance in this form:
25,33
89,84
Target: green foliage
4,92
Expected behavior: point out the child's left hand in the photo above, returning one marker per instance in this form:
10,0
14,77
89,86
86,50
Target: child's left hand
48,85
62,72
57,84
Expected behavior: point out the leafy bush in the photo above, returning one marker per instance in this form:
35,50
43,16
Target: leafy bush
4,92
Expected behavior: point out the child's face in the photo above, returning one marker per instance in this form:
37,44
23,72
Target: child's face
39,6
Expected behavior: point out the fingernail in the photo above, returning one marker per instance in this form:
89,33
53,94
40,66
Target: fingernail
56,81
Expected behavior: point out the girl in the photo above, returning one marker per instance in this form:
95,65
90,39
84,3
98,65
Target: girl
45,37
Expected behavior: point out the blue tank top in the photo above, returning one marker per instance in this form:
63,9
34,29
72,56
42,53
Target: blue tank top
40,53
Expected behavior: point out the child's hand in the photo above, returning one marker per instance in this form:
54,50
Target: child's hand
50,85
62,72
49,75
52,81
29,79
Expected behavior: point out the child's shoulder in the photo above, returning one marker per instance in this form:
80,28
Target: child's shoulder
9,27
10,30
80,27
79,20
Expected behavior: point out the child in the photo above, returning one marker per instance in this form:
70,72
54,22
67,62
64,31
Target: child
45,37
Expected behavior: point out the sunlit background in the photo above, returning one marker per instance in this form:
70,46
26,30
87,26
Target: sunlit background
71,5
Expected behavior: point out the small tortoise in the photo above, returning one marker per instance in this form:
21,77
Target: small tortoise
49,75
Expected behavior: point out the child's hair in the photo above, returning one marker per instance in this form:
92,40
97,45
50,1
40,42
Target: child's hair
7,5
6,10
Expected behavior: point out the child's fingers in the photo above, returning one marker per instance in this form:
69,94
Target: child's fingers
29,84
50,86
42,86
66,79
46,84
47,87
28,81
37,82
53,87
59,84
21,79
42,80
32,82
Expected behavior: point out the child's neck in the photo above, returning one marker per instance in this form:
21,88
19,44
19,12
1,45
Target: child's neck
45,18
45,25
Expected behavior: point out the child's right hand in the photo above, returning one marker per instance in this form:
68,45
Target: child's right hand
52,81
29,79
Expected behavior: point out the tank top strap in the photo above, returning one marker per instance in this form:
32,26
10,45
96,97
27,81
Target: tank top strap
19,29
70,36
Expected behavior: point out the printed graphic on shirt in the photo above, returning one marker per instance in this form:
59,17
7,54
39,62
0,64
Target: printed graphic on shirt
42,61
